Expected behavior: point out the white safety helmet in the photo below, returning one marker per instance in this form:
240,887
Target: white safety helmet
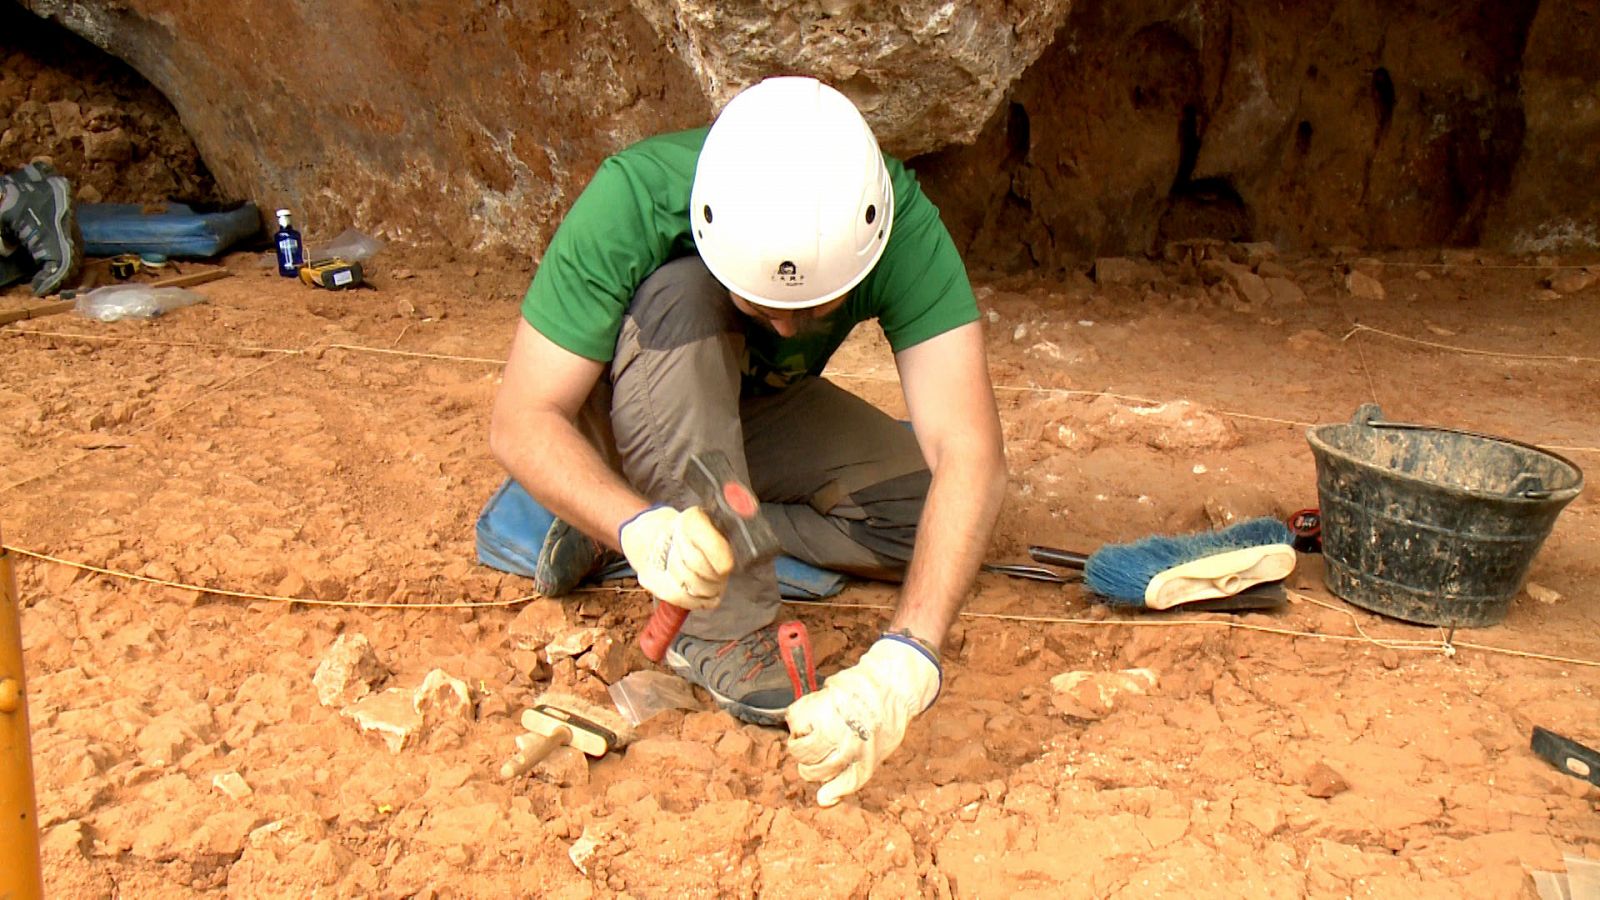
791,204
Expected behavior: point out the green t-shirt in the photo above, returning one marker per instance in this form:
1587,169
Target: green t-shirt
634,216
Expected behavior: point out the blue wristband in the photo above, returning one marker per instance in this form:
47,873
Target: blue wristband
923,647
636,515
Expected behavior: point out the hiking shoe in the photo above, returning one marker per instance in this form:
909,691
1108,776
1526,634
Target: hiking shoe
745,676
36,208
566,558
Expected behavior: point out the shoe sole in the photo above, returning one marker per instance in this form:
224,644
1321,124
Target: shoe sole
566,558
67,228
755,715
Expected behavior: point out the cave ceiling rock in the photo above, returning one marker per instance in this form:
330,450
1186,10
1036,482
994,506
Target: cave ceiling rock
926,73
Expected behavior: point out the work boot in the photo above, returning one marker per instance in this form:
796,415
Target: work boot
746,676
566,558
36,209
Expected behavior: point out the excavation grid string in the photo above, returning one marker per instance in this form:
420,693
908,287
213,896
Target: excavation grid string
1002,388
250,595
1444,646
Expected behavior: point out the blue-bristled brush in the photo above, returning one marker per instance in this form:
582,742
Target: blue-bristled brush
1162,572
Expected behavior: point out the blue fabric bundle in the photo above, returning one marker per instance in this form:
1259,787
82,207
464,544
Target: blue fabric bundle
176,231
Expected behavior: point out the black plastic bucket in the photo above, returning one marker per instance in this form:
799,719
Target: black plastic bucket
1433,525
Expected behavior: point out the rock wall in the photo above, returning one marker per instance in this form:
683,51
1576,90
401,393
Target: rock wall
465,126
1554,198
92,116
474,125
1335,122
1049,131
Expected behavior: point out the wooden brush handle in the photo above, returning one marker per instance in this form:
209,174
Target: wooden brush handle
1058,557
532,748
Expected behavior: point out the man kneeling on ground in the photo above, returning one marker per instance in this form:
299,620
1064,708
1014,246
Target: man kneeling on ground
689,302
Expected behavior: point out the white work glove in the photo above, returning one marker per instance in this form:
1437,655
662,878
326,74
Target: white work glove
680,557
840,733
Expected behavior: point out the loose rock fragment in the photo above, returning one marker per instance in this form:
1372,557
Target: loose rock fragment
1324,782
442,698
163,741
572,643
392,715
608,659
348,671
1541,593
68,838
566,767
1176,425
1571,282
1364,286
1093,695
537,624
584,849
1269,269
1284,292
232,784
1246,284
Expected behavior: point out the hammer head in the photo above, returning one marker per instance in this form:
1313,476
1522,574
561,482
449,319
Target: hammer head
732,507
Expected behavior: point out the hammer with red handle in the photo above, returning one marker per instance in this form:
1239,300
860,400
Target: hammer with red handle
732,507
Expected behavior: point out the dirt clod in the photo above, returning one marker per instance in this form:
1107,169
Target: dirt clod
1323,782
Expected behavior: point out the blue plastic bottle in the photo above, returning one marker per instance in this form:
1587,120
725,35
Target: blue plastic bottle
291,250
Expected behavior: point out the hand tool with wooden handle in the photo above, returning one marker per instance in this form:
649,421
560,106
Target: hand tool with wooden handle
559,720
732,507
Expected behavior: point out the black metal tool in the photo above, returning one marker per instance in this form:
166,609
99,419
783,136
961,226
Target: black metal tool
1567,755
1031,573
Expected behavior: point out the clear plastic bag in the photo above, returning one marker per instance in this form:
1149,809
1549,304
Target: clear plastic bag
350,245
640,695
133,301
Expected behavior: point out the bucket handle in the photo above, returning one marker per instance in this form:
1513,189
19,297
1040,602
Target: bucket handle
1528,485
1531,487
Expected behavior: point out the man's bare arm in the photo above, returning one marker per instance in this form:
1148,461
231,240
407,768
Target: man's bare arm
947,388
532,435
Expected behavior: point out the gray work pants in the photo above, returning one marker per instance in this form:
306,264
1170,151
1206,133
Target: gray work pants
841,482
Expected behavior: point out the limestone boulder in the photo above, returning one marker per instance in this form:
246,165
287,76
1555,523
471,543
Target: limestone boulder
925,73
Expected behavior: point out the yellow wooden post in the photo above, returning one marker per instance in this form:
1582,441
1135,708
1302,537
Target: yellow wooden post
19,826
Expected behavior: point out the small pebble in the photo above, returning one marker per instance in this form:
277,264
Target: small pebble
1542,594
